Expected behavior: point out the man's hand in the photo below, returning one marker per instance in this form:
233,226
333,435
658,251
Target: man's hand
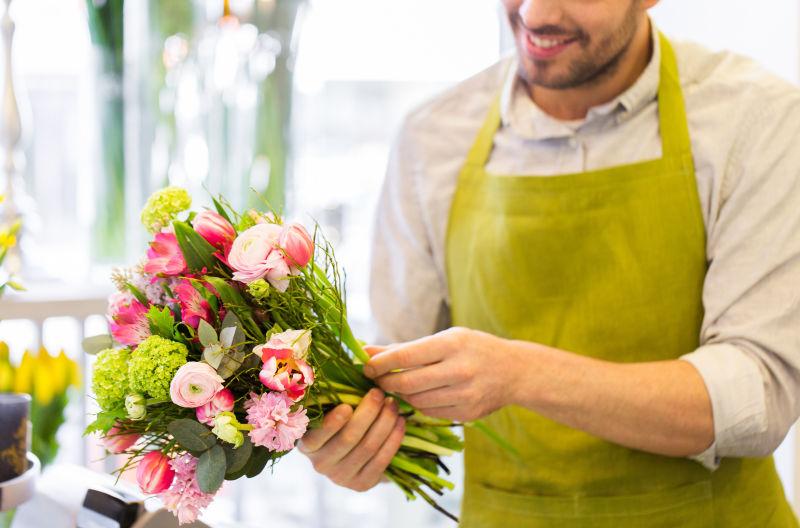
458,374
354,448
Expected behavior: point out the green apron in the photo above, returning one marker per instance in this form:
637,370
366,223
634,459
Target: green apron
609,264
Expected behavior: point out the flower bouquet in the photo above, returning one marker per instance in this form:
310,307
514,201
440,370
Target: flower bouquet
228,341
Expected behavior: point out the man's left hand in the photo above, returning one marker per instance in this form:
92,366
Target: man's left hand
458,374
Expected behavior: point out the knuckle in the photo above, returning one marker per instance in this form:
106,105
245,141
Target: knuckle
350,438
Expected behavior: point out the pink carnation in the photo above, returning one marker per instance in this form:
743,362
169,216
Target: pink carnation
274,425
184,498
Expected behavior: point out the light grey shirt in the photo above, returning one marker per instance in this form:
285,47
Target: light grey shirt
745,130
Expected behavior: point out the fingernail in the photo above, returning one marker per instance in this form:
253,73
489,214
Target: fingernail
390,403
369,371
376,395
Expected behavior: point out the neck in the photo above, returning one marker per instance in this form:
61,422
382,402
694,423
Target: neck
574,103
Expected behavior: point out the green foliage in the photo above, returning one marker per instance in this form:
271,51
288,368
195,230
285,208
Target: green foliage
234,302
237,458
105,420
191,434
199,254
161,322
211,469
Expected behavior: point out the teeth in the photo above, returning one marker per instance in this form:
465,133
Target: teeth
545,43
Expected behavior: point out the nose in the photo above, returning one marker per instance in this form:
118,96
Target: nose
540,13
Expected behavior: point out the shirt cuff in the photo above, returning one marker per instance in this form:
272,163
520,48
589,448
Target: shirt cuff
736,388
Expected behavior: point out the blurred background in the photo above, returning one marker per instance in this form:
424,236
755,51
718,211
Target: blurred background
105,101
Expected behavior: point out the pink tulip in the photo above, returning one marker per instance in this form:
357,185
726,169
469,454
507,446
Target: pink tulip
128,319
194,384
164,256
154,473
193,305
117,441
292,376
297,244
291,343
221,402
215,229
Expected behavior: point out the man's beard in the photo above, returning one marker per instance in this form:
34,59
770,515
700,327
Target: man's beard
590,68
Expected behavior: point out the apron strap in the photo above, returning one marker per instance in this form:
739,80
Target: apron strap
673,127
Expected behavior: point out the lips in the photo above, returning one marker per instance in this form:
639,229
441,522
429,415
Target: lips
546,46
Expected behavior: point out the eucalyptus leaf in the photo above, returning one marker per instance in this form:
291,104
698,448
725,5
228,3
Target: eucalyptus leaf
191,434
213,354
206,333
258,460
237,458
94,344
211,469
234,356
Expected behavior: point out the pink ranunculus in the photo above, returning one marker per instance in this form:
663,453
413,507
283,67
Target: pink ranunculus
193,305
296,244
154,473
115,441
164,256
222,401
184,498
215,229
128,319
194,384
275,426
255,252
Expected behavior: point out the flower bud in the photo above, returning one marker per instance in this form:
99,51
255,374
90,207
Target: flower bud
259,289
116,441
214,228
154,473
136,406
297,244
221,402
226,427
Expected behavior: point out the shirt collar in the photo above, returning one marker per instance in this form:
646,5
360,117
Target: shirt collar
518,111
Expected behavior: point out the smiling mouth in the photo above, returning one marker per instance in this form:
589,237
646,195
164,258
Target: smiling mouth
549,42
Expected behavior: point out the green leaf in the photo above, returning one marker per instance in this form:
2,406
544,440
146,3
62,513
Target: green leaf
258,460
197,252
221,210
94,344
207,334
140,296
105,420
235,356
236,458
234,302
191,434
14,285
211,469
161,321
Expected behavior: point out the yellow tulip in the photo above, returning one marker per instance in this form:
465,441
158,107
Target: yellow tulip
6,377
3,352
71,370
23,381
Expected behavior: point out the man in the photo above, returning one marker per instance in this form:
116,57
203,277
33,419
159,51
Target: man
612,225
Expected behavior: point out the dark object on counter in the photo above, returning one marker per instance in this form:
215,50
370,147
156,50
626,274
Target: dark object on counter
14,409
108,509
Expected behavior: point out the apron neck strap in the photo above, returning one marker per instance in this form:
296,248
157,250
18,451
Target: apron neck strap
671,114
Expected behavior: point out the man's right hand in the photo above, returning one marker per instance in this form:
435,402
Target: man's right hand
354,448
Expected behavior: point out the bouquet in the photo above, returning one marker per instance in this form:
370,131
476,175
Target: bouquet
228,341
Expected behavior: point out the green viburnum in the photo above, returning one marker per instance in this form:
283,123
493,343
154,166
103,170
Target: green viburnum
259,289
163,206
153,365
110,377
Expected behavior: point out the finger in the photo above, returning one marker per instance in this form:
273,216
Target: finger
425,351
352,433
417,380
372,472
332,423
372,441
432,399
452,412
374,349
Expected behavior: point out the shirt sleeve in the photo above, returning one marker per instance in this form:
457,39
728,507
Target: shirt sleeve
750,352
406,292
